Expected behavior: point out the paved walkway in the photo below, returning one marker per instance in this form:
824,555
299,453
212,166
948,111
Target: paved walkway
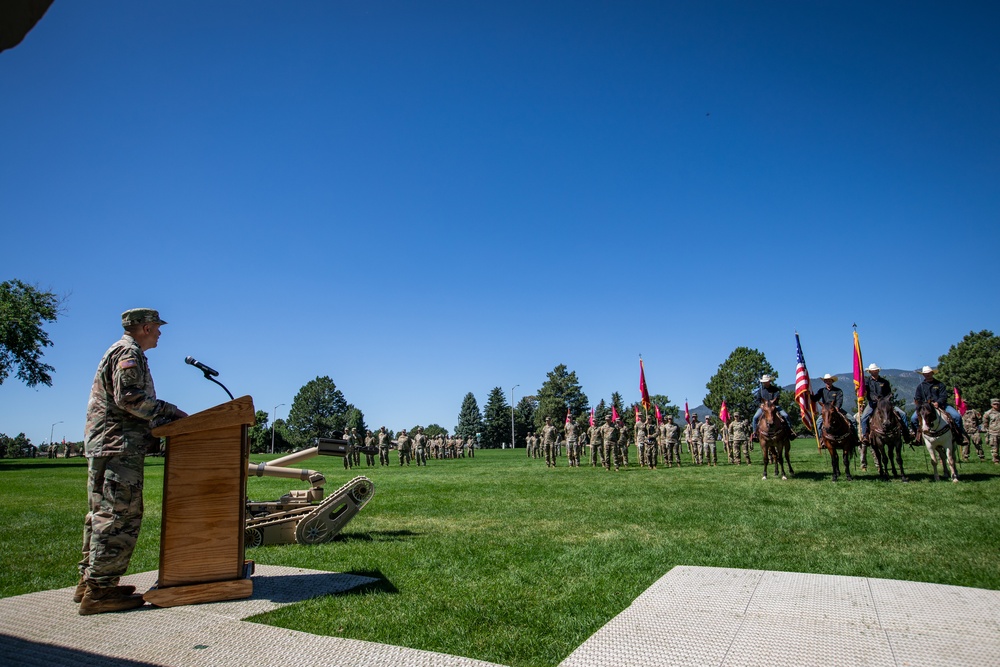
692,616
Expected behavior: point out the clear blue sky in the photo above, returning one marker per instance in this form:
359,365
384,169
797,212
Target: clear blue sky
425,199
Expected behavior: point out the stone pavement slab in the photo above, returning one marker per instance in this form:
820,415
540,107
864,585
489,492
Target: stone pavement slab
695,616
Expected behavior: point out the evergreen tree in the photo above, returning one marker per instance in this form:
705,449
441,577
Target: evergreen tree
354,418
973,365
736,379
561,391
496,420
318,411
470,420
524,419
259,434
600,411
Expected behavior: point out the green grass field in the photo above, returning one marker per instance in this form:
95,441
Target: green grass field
501,559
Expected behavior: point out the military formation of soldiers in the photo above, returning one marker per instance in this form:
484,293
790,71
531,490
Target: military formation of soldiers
657,442
410,448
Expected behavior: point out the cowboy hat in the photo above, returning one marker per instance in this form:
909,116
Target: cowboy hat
831,378
873,367
927,370
766,378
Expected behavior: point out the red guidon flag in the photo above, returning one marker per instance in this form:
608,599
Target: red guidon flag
646,403
724,412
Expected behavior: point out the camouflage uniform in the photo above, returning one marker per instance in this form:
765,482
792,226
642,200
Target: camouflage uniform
120,412
991,426
596,445
972,420
404,444
549,436
709,434
739,433
572,445
369,442
351,443
383,446
693,439
420,447
470,447
670,443
612,452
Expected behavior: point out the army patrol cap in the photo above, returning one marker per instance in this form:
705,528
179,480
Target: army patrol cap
140,316
994,401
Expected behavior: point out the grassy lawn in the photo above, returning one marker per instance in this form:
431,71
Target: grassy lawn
501,559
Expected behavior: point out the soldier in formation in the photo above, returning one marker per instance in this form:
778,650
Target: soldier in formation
609,436
693,439
383,446
991,428
420,447
404,444
596,442
572,444
739,436
709,436
972,420
550,435
370,442
670,442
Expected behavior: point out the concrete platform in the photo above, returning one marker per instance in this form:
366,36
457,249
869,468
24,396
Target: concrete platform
691,616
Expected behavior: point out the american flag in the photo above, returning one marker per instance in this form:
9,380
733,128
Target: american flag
803,392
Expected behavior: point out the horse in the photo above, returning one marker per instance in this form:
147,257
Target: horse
775,445
838,434
937,436
887,432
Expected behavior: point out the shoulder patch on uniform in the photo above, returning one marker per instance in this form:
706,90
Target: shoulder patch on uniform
127,363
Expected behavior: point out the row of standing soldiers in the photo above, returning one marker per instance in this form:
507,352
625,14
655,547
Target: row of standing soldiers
609,442
416,447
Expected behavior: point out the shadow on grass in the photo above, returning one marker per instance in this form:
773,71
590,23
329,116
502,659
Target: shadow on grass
383,585
14,465
376,536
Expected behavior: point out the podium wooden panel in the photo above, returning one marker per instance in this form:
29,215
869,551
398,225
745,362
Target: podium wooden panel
204,507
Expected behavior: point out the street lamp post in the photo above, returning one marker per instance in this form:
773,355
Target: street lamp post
273,411
512,414
51,431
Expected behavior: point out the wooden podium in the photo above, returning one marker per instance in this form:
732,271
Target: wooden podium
204,507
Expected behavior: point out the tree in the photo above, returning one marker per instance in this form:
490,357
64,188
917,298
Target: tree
496,420
470,420
259,434
524,419
666,409
318,411
600,411
561,391
354,418
973,365
23,311
434,430
735,381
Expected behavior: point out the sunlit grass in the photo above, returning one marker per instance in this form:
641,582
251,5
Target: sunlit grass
501,559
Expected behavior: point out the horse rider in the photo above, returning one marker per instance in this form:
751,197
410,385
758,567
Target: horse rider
766,390
830,394
875,388
933,391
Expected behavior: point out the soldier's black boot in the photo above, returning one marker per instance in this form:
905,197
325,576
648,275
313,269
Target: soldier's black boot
100,600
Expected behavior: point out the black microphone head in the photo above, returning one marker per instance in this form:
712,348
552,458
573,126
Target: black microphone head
189,360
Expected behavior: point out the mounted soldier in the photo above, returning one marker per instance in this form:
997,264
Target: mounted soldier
933,391
830,394
766,390
875,388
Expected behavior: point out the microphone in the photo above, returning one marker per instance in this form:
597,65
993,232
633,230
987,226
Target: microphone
202,367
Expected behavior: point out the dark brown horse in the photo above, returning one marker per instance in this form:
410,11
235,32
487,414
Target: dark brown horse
775,445
838,434
886,432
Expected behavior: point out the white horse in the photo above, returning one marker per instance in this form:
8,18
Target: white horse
936,433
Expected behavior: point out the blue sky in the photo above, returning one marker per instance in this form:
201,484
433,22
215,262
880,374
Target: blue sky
425,199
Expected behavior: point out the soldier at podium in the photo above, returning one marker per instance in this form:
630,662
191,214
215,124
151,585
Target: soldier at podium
120,411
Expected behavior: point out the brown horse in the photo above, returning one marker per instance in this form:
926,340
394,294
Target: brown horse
887,432
775,445
838,434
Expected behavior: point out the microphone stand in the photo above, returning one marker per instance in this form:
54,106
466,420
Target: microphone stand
209,377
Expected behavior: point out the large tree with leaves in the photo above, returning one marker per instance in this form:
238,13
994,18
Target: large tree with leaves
24,310
736,379
318,411
973,365
560,391
496,419
470,420
259,434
